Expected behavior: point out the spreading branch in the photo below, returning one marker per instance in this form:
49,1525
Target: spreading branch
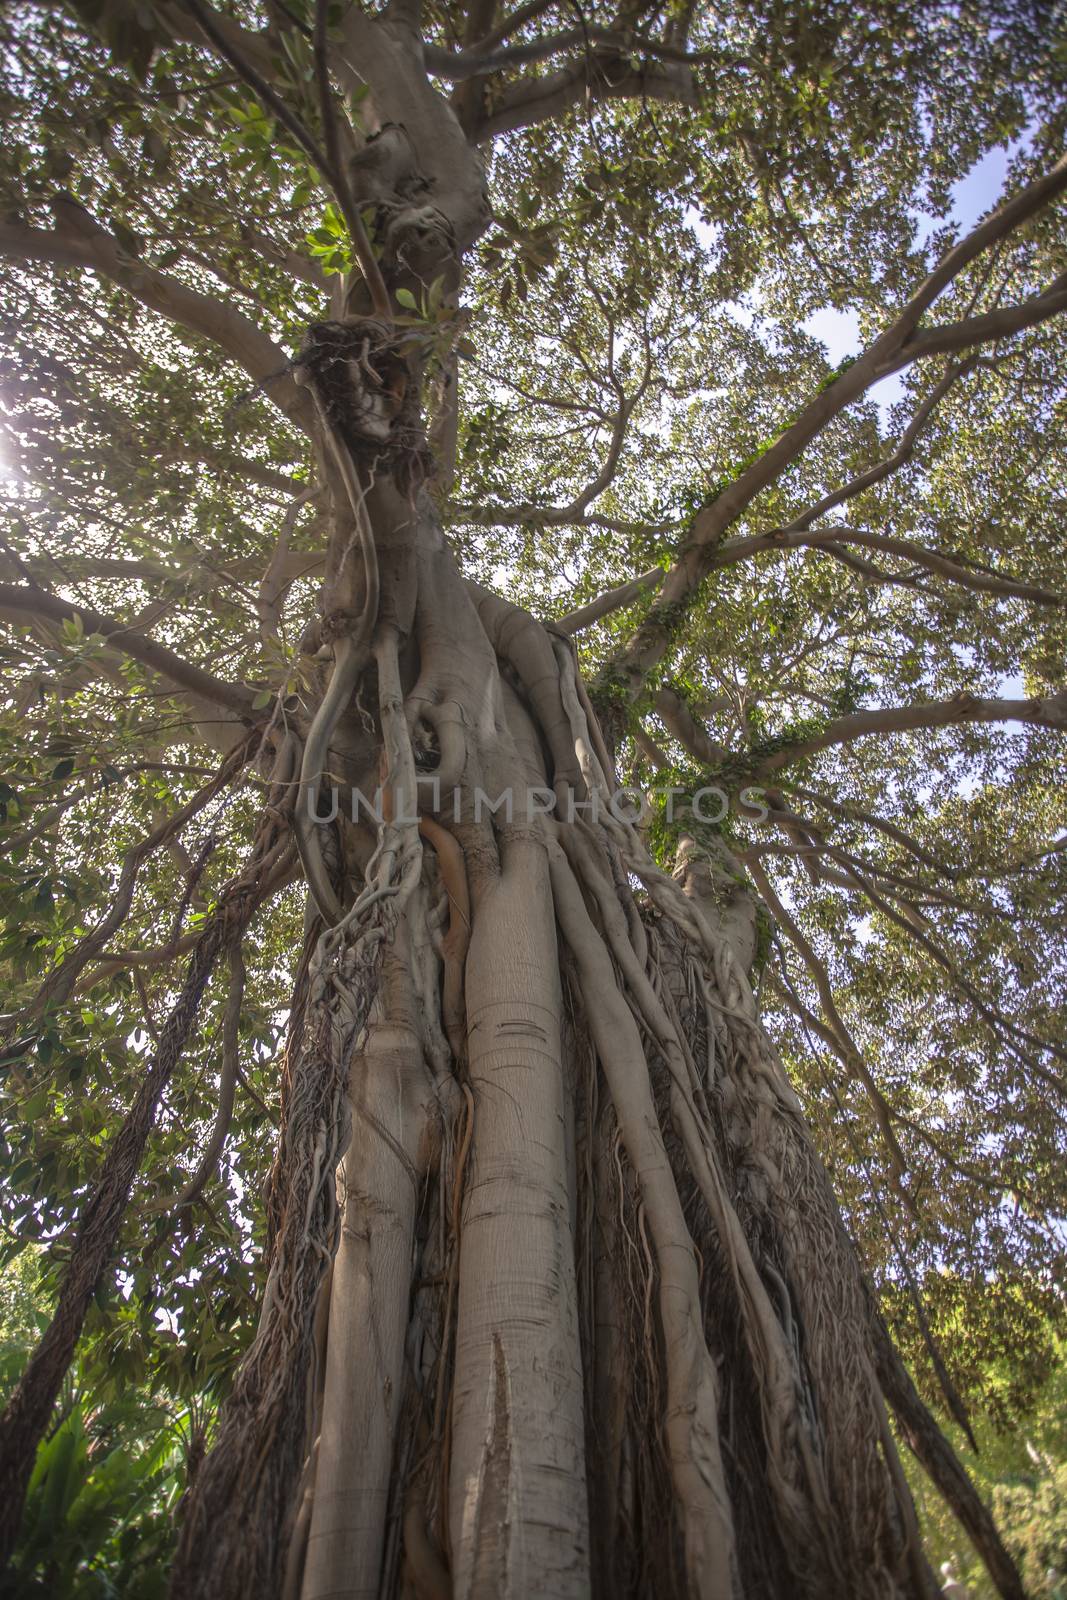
611,44
78,240
612,600
891,463
599,75
834,1031
894,349
1050,712
24,604
831,540
985,329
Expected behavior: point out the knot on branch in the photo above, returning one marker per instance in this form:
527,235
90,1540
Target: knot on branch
360,372
419,240
386,169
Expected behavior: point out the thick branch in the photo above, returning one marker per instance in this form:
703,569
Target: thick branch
961,708
79,241
536,100
457,66
23,604
999,324
783,539
929,1446
886,354
683,726
604,604
891,463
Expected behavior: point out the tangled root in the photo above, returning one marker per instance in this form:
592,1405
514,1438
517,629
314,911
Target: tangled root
361,375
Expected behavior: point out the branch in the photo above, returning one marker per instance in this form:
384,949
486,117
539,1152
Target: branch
231,1022
991,1014
930,1447
59,983
80,241
19,605
783,539
900,455
611,600
1004,220
999,324
534,100
679,722
853,813
834,1030
851,880
292,261
182,22
650,749
575,513
697,556
338,176
244,66
616,44
1047,713
507,26
276,580
531,515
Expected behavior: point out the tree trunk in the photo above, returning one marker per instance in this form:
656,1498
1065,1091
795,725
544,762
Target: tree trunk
589,1271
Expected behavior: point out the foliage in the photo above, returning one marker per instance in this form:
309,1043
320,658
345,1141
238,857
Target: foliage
99,1513
1022,1472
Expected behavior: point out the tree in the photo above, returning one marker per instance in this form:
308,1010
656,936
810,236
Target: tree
327,325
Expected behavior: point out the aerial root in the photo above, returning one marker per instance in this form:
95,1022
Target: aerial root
231,1023
249,1480
691,1416
793,1467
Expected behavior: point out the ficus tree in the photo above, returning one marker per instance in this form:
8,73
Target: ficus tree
412,440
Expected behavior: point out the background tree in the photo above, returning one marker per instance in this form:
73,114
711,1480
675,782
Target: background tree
329,328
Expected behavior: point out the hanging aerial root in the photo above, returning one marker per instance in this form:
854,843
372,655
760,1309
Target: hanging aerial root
787,1208
360,376
351,635
793,1466
523,643
238,1518
231,1023
242,1506
28,1411
456,941
691,1420
936,1455
846,1518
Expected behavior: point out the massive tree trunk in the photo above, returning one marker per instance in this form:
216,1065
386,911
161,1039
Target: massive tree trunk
593,1323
